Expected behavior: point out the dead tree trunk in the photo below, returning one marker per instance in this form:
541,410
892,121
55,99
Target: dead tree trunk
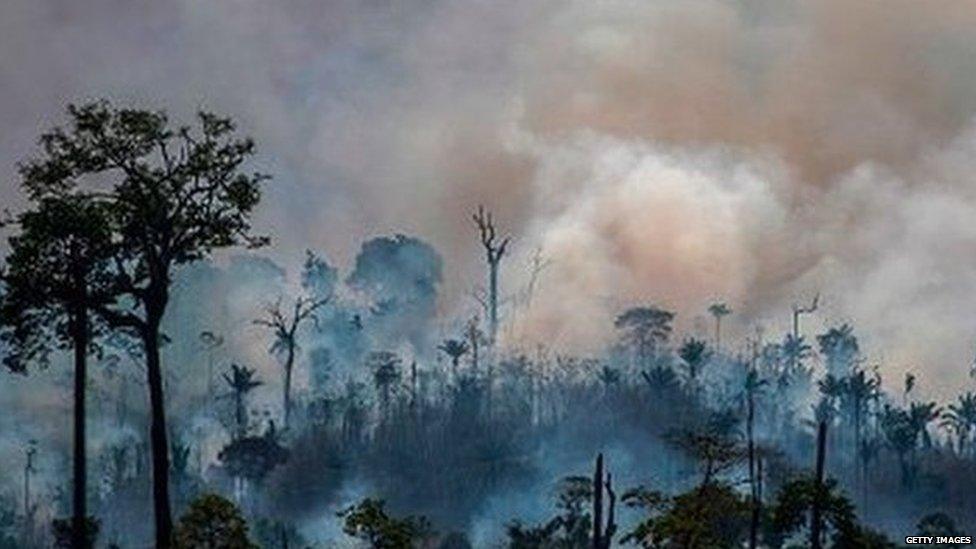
494,251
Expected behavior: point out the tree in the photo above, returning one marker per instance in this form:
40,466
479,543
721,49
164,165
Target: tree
901,436
920,415
212,522
57,273
797,497
644,328
570,528
960,418
718,311
752,387
715,451
709,516
284,326
454,349
603,533
385,366
494,252
369,521
695,354
241,381
840,349
174,196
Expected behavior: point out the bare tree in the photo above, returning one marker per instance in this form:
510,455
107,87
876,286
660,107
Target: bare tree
495,249
285,327
799,311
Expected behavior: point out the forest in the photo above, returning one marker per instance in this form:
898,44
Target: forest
196,393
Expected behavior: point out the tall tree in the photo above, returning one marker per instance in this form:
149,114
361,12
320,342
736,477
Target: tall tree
284,325
960,418
175,195
495,249
644,329
57,272
241,381
719,310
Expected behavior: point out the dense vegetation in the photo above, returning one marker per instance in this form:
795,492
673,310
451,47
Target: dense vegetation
382,422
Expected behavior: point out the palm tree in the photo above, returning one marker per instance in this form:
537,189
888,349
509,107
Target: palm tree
901,436
795,351
921,414
840,349
861,389
719,310
455,349
386,375
960,418
242,382
695,355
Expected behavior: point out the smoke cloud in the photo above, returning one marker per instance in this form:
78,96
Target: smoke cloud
671,151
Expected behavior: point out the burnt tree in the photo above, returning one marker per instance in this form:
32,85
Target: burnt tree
495,249
284,326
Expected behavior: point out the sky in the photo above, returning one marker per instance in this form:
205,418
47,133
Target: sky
675,152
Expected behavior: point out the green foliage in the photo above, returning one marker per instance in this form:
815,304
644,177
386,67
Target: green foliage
569,529
712,515
212,522
791,511
369,521
58,268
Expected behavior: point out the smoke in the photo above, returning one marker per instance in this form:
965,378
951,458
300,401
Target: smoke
752,151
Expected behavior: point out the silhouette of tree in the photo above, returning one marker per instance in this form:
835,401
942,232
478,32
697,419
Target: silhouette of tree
385,366
57,274
797,497
284,325
212,522
960,419
840,349
174,196
644,329
454,349
369,522
718,311
695,354
710,515
494,252
241,381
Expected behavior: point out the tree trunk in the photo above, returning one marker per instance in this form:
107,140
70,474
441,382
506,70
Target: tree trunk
756,506
816,521
79,490
239,413
598,503
493,300
754,523
158,437
289,362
